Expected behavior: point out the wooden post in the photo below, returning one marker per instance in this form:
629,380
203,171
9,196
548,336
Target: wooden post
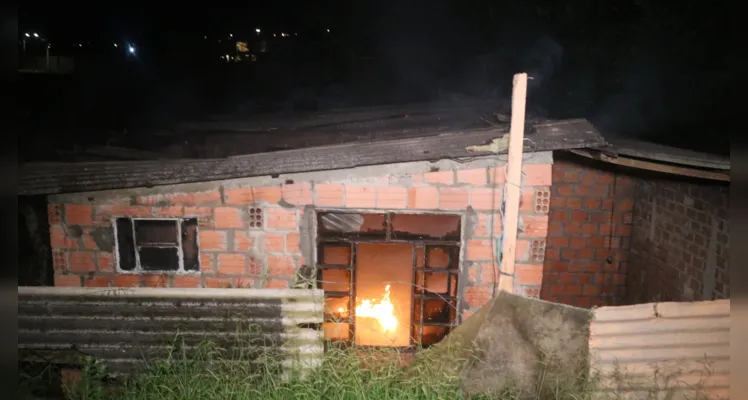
513,183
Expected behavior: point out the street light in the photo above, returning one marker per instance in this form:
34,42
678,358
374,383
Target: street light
36,35
257,30
27,35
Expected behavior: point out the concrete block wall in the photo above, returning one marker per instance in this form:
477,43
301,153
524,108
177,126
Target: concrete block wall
680,248
234,253
589,233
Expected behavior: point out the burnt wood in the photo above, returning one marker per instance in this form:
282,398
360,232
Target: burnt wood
52,178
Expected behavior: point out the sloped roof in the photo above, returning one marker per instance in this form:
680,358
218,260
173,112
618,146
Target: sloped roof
52,178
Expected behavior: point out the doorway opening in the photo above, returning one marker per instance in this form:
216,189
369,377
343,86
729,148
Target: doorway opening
390,280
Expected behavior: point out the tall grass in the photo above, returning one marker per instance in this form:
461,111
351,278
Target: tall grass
344,374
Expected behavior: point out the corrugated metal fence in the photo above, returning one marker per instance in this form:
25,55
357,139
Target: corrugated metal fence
122,327
663,350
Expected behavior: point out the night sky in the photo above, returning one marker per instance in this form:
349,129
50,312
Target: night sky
634,68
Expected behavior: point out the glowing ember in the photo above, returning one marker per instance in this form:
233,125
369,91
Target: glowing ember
381,310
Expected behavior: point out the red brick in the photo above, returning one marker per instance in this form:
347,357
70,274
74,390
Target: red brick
582,190
298,194
59,260
536,174
207,263
242,241
443,177
578,216
565,190
88,241
578,242
218,283
82,261
482,228
172,211
126,281
593,203
181,281
239,196
274,242
204,215
599,190
244,283
477,296
424,198
255,267
479,250
588,177
281,219
475,177
59,239
589,229
558,202
212,240
328,195
281,266
527,199
392,197
106,262
574,203
97,281
486,199
268,194
561,241
204,197
67,280
585,254
276,284
292,243
535,225
555,228
591,290
489,272
54,214
232,264
522,250
108,211
359,196
78,214
228,217
497,175
624,205
156,281
453,198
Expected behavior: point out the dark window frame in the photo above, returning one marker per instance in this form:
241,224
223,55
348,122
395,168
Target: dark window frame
133,246
453,246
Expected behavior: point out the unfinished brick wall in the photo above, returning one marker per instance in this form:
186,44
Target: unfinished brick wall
589,233
238,248
681,241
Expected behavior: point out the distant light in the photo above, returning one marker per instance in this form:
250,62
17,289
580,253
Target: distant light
36,34
131,49
231,35
115,45
27,35
80,45
205,37
258,31
328,31
274,35
296,34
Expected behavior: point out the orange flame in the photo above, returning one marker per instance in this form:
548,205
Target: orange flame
381,310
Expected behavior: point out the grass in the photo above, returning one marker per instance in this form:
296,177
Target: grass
344,374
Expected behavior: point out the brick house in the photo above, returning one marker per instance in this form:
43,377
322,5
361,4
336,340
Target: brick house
413,218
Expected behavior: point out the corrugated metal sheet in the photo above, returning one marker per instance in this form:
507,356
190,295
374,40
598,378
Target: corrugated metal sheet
671,349
122,327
